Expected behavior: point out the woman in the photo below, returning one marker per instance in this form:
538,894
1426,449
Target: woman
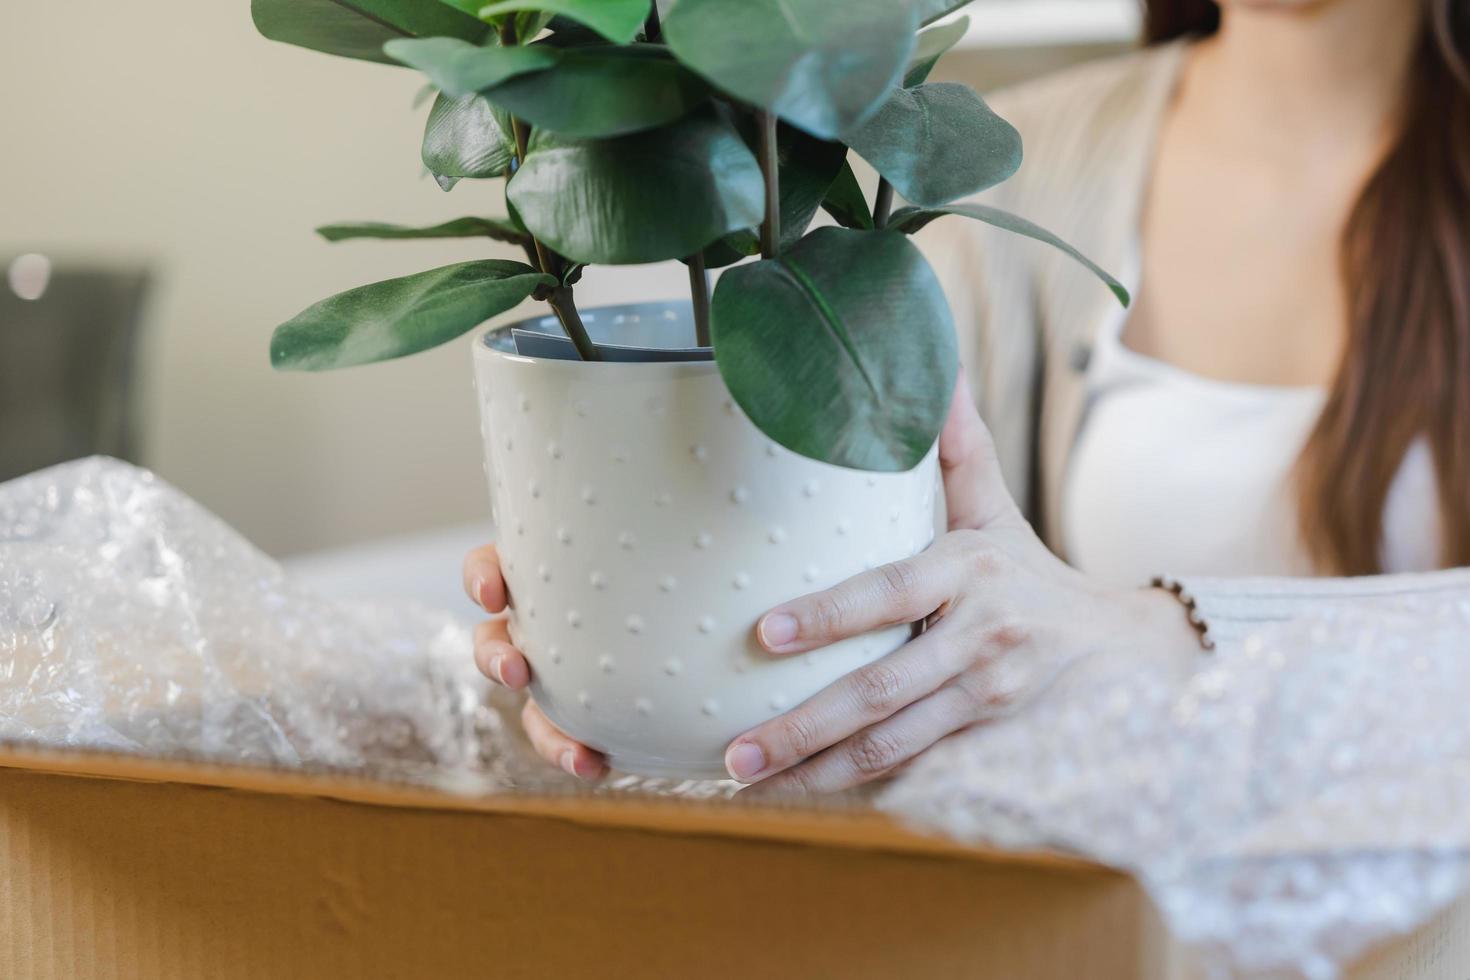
1287,182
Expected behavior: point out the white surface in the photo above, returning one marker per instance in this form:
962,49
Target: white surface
646,525
1172,464
422,567
1036,23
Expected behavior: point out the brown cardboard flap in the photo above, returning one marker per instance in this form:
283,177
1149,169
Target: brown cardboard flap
842,827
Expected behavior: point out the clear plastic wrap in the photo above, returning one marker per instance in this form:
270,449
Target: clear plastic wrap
1299,798
133,620
1291,802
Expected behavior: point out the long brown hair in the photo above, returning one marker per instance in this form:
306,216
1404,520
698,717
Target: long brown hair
1405,257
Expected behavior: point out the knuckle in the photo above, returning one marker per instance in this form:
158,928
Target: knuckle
993,693
1002,695
829,612
1008,632
797,735
899,581
985,560
799,781
874,752
879,688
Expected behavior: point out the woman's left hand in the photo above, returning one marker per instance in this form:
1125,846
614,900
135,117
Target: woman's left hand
1005,617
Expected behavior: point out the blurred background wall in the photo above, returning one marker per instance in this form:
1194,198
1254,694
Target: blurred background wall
169,135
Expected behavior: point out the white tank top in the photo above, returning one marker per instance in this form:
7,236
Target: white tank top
1180,474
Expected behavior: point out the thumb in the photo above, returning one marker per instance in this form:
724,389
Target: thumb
975,493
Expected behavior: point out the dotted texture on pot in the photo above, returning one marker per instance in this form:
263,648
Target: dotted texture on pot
644,525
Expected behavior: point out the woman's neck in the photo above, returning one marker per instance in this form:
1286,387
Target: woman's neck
1321,78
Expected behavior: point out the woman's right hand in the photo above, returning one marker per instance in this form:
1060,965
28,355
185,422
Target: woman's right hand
498,660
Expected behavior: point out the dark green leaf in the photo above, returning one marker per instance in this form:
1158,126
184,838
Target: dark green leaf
401,316
820,65
938,142
360,28
845,201
605,91
842,349
501,231
660,194
617,20
931,10
808,166
461,69
530,23
910,220
932,45
567,33
466,137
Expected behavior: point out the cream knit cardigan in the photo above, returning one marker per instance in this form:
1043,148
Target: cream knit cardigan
1026,315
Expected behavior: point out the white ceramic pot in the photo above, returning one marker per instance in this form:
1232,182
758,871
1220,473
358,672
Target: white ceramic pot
644,524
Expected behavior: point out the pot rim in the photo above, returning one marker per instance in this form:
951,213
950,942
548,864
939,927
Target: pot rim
665,311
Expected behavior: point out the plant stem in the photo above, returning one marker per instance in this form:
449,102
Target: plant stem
699,291
547,261
882,203
771,171
565,308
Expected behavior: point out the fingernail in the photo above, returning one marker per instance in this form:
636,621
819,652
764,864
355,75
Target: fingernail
569,762
479,594
745,760
778,629
495,663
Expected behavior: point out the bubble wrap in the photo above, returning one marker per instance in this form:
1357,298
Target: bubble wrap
1300,797
1292,801
132,620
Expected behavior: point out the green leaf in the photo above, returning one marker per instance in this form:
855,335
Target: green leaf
931,10
933,43
938,142
617,20
530,23
466,137
567,33
401,316
820,65
845,200
360,28
910,220
471,7
501,231
605,91
842,349
807,166
660,194
461,69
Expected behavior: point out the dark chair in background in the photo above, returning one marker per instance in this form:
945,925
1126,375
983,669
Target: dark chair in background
66,362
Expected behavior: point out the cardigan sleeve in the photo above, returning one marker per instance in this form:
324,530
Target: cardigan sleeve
1226,610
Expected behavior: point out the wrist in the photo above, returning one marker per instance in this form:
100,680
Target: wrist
1158,622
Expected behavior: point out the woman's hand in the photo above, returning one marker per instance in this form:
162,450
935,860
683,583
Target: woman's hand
1004,619
504,664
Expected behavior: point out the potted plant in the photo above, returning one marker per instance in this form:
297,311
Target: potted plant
652,497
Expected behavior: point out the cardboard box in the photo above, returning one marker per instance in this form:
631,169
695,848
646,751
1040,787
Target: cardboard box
123,867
